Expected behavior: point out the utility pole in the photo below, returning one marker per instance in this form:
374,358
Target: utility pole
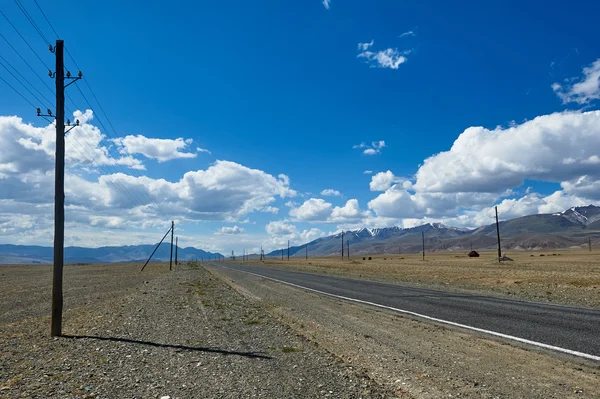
590,243
282,254
342,244
176,247
498,232
423,239
288,249
171,255
59,194
348,249
306,247
59,186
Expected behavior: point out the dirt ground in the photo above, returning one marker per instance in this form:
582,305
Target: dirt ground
419,359
563,277
157,334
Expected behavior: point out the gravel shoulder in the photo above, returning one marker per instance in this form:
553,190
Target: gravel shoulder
417,359
183,334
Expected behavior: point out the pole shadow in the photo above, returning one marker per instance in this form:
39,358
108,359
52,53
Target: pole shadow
253,355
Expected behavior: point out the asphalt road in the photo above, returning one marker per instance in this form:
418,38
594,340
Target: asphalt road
571,328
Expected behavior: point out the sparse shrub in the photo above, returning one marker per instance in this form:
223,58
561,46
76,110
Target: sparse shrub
369,258
532,255
384,258
542,255
364,258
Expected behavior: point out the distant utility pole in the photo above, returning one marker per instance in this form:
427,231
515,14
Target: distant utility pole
423,239
59,186
288,249
171,256
348,249
281,253
498,232
342,244
261,253
232,256
590,243
176,247
306,247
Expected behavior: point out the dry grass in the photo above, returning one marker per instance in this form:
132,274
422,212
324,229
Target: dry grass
566,277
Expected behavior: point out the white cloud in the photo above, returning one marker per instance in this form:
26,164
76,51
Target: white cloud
388,58
371,149
279,228
326,4
383,180
583,91
365,46
409,33
484,160
99,196
231,230
368,172
331,192
160,149
349,212
313,209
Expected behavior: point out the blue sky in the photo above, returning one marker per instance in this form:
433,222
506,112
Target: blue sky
294,88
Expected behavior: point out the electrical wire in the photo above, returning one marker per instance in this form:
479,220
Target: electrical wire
25,79
31,21
25,40
17,91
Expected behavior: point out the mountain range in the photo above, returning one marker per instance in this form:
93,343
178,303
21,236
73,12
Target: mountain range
19,254
572,228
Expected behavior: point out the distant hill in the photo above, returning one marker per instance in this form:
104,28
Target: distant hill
569,229
131,253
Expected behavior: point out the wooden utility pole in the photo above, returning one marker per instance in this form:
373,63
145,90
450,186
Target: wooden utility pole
288,249
59,194
306,248
176,247
155,248
498,233
342,244
423,239
282,254
348,249
590,243
171,255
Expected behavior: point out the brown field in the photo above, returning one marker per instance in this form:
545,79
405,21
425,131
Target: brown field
564,277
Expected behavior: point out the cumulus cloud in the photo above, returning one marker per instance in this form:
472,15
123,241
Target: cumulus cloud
583,91
160,149
557,147
371,149
317,210
100,196
331,192
231,230
383,180
281,232
389,58
313,209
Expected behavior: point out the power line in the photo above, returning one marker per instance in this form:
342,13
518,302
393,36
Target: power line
134,172
25,40
31,21
26,88
47,20
16,91
26,63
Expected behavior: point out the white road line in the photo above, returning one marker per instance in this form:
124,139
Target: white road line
481,330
